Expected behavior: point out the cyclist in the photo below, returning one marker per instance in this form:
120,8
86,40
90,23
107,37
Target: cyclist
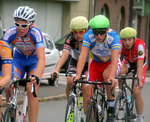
134,57
29,54
73,43
6,72
103,44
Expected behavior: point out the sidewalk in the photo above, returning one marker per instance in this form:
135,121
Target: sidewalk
47,93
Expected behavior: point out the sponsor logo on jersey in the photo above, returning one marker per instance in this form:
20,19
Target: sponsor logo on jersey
140,53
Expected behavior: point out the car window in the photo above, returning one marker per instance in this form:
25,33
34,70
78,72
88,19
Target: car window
48,42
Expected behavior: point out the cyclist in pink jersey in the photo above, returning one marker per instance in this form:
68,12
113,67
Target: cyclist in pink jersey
29,55
134,57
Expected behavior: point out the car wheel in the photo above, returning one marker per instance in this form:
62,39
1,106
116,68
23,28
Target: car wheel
51,82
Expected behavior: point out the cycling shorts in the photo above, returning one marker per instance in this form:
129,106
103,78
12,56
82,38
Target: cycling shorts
133,66
73,67
96,70
24,65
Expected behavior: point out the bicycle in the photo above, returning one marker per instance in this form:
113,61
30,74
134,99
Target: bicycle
74,109
125,111
98,99
12,111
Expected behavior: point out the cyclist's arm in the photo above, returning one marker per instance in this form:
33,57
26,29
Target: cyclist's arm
62,60
6,72
81,61
140,69
41,61
114,62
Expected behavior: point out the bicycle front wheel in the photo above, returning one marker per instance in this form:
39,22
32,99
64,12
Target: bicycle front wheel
69,115
10,113
92,113
121,112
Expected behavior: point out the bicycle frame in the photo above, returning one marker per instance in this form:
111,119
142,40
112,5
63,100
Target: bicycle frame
12,110
20,115
124,89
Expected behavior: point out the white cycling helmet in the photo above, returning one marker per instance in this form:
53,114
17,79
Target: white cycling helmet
24,13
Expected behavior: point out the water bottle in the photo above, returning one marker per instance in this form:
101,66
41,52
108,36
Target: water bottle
129,101
80,103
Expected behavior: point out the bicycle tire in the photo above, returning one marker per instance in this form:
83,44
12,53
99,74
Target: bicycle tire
9,111
2,118
121,109
92,113
103,115
69,114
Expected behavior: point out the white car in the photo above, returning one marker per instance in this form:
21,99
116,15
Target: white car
52,56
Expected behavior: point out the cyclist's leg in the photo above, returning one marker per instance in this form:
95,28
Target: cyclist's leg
32,101
124,70
110,98
85,72
138,97
95,72
71,70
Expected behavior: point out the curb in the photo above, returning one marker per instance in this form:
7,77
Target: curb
44,99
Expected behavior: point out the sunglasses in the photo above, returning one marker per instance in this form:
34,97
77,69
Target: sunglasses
23,26
78,31
97,32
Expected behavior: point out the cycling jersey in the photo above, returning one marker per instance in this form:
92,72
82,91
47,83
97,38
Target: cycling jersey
133,55
5,57
25,56
101,52
71,44
136,53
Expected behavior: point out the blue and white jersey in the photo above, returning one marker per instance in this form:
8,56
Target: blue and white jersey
101,52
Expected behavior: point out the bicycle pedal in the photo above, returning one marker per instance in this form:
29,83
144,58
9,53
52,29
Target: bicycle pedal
133,118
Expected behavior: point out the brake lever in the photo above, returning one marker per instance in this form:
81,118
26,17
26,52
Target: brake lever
33,86
111,88
55,82
33,90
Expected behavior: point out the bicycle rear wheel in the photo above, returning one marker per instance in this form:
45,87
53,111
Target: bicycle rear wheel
121,112
10,114
69,115
92,113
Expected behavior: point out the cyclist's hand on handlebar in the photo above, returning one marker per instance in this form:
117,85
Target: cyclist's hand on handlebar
54,77
114,83
34,79
76,78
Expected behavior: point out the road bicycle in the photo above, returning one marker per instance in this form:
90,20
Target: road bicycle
12,111
74,109
125,110
99,99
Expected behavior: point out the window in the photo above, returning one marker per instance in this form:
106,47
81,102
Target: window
48,42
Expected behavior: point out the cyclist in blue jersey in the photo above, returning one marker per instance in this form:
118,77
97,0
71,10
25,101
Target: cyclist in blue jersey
103,44
29,55
6,72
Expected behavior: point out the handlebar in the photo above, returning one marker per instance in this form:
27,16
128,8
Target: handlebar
124,77
96,82
25,80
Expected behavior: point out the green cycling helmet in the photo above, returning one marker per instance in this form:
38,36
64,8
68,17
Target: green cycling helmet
128,32
99,21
